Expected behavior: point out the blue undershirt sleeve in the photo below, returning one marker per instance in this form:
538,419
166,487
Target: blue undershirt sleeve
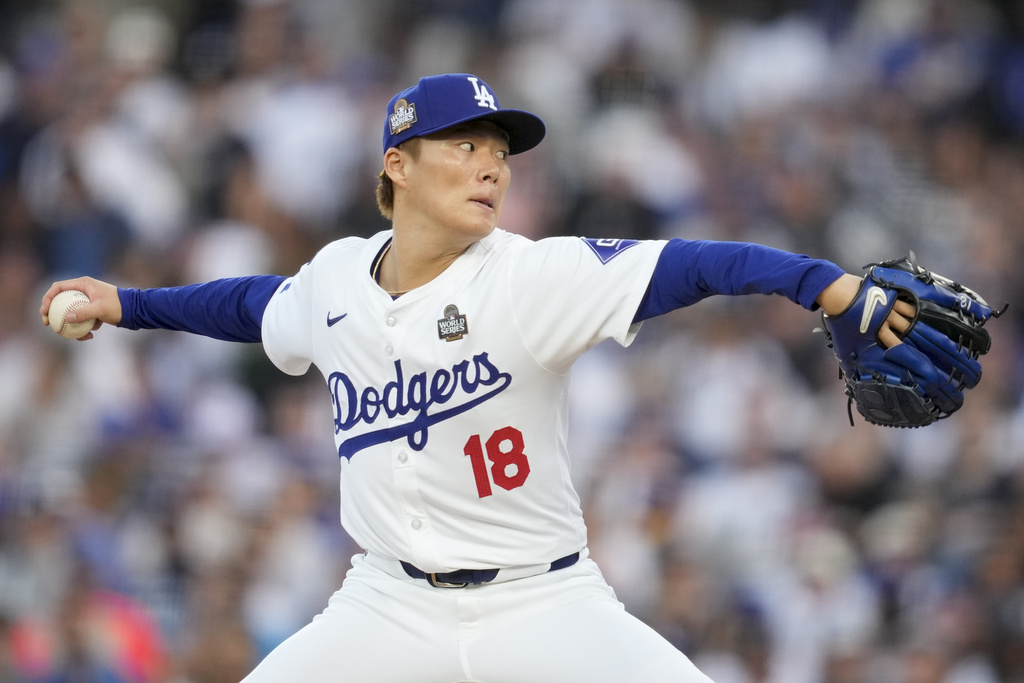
690,270
230,309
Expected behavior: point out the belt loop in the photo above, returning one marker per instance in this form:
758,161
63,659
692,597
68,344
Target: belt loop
567,561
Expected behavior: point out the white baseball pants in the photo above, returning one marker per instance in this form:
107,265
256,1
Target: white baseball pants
559,627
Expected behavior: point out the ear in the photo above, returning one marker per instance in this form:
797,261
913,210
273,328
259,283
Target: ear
396,166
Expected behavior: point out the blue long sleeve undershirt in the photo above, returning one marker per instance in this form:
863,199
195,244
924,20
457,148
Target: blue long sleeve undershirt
687,271
691,270
230,309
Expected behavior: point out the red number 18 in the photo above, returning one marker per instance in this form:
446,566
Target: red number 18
504,450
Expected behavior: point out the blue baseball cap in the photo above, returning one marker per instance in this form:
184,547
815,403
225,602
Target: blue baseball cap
439,102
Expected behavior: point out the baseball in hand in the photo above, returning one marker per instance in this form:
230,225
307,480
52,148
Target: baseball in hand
60,306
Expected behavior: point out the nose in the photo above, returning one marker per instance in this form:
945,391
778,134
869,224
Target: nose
490,173
490,168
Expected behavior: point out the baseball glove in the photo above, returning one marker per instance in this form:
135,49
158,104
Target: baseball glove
923,379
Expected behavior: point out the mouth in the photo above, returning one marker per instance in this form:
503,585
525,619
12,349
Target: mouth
487,203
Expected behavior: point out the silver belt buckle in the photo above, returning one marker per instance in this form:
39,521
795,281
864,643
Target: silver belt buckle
432,579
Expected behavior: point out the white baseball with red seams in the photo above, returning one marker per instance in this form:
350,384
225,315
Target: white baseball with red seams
62,304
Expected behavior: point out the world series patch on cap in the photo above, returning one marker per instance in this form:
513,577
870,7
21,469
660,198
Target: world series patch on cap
439,102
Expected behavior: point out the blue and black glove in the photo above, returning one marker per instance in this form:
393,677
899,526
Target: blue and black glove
923,379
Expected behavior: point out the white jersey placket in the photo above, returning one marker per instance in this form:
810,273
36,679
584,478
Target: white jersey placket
404,459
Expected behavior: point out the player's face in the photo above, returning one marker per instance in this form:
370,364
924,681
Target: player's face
458,181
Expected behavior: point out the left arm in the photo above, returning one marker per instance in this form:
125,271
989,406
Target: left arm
689,271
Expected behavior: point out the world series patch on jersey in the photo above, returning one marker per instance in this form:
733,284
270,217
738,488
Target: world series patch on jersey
453,326
451,456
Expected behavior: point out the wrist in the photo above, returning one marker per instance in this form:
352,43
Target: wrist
838,296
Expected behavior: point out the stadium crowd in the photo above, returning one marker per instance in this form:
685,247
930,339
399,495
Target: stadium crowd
168,503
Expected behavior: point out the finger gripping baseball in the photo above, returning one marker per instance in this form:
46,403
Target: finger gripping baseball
923,379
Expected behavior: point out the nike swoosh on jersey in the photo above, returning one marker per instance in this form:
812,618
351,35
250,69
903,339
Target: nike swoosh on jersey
874,297
332,321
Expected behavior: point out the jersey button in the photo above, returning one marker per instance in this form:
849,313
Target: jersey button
389,350
417,524
391,321
403,457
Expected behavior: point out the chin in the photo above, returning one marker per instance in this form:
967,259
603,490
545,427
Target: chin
483,230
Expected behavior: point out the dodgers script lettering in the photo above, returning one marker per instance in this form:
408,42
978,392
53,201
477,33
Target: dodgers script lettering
469,383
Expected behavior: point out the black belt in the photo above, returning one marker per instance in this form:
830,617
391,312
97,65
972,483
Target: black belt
460,578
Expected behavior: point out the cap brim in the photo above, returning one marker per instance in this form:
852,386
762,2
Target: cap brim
525,131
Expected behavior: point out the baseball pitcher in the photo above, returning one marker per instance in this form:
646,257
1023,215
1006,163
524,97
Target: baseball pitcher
446,346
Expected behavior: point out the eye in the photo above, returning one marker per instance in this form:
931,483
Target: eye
468,146
503,155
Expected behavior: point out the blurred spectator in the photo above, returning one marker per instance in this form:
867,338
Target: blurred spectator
97,635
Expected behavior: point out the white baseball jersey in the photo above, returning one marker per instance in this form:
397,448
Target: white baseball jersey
450,412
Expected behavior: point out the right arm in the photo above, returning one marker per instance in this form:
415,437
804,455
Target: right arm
230,309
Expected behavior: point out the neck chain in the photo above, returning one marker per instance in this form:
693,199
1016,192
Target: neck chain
376,271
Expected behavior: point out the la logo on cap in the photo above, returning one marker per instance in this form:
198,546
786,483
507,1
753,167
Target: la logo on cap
403,118
483,96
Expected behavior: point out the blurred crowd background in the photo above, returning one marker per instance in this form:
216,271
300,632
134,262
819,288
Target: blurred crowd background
168,504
